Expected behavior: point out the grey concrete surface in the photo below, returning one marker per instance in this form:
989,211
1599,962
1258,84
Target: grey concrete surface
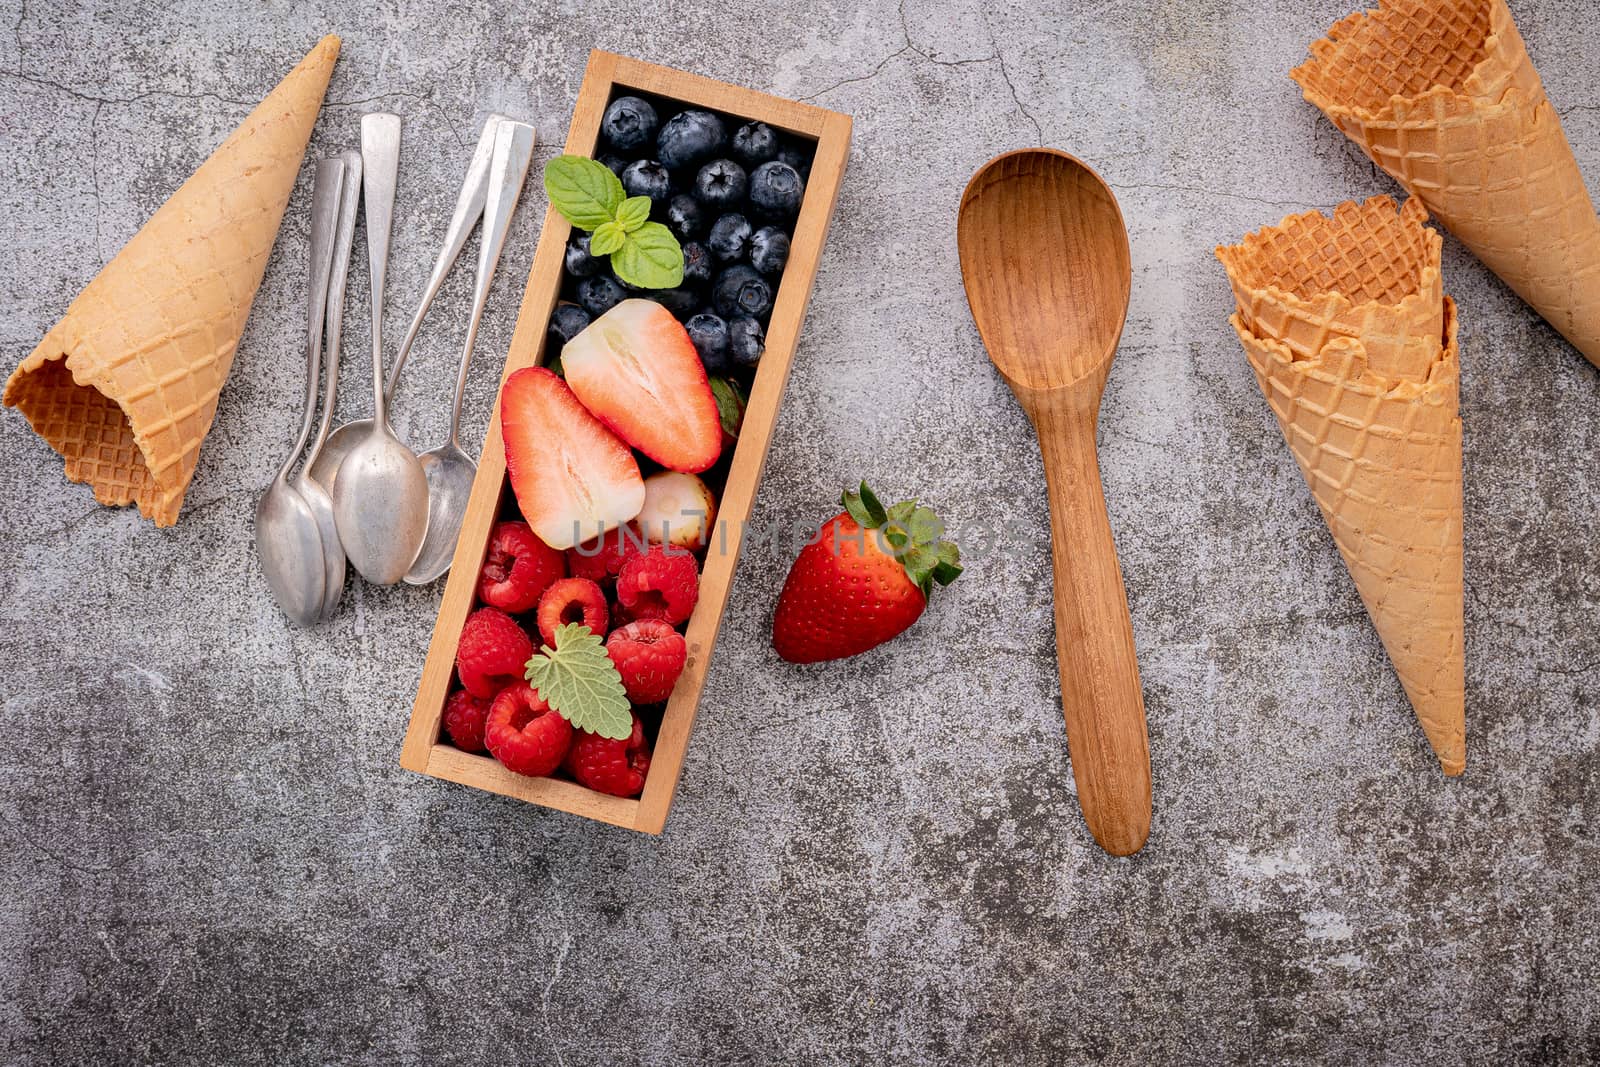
208,853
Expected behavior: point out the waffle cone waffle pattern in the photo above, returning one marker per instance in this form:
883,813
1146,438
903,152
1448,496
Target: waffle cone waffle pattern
1353,343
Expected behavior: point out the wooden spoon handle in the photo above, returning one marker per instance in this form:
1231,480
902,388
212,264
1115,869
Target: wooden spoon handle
1100,693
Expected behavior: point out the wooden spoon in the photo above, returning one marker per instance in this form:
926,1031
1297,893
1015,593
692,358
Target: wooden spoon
1044,254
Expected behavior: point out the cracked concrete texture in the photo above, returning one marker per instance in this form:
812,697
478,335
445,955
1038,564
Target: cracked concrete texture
209,852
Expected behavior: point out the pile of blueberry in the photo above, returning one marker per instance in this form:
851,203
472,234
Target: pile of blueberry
730,192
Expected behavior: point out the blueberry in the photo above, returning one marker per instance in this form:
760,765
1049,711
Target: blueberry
567,323
580,262
629,123
685,218
616,164
690,137
646,177
627,287
776,189
678,301
720,184
754,143
599,295
769,250
741,291
730,237
697,263
746,341
797,156
710,336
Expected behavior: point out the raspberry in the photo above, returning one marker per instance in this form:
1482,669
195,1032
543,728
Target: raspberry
572,600
493,652
607,766
464,715
524,734
663,583
600,558
518,568
649,655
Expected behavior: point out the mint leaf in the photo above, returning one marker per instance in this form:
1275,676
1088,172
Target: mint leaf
578,680
634,213
606,239
583,190
730,405
650,258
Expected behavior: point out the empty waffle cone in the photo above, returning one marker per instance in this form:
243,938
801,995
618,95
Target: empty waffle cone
1442,95
126,384
1354,347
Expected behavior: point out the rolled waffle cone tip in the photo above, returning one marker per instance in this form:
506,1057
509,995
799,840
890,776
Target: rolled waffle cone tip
1442,95
1354,347
125,386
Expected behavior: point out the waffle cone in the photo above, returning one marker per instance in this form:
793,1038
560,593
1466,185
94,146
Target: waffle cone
1363,379
1442,95
126,384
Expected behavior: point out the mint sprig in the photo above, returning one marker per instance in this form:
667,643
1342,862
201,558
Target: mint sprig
579,681
590,196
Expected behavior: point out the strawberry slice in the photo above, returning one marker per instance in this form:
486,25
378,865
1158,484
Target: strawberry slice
637,370
573,478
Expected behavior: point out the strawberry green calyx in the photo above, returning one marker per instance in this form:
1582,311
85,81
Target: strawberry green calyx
912,534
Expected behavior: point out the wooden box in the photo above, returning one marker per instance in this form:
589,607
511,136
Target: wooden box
607,76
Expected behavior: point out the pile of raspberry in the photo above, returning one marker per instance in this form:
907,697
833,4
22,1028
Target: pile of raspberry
635,595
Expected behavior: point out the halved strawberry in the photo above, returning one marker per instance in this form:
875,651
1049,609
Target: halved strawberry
573,478
637,370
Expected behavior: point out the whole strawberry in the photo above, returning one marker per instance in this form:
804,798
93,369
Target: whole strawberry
864,579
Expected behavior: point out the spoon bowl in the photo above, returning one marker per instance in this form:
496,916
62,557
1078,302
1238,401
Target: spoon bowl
450,473
380,503
289,546
1048,274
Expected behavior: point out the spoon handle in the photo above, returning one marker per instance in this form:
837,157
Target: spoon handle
324,221
513,151
1100,692
380,173
469,209
338,276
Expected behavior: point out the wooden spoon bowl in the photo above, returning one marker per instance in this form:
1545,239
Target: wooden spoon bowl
1044,255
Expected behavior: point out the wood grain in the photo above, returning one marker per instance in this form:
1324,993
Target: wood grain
1044,255
422,750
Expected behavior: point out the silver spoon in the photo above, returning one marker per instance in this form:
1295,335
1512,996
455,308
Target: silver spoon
321,503
469,206
288,539
380,495
449,469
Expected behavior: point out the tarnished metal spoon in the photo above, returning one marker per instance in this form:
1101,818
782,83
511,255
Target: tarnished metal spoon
380,495
288,537
449,469
469,207
317,496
